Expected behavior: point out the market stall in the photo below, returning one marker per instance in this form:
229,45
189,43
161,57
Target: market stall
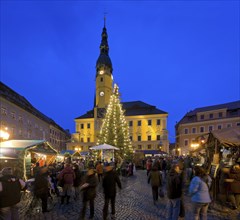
223,148
24,153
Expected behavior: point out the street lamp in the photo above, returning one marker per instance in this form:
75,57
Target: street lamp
78,149
4,135
160,146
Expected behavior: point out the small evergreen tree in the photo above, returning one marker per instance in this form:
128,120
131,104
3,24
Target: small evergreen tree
114,129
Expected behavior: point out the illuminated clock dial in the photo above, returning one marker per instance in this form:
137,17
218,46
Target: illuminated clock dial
101,72
101,93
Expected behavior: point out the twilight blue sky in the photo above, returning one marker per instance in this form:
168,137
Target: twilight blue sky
176,55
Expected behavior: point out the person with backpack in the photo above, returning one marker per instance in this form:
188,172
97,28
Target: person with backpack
10,194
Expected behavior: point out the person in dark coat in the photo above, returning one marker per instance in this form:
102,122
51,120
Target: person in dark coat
41,187
89,193
77,180
110,179
174,192
156,181
10,194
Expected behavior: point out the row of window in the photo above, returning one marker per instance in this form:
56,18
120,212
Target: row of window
139,138
210,128
140,147
149,138
130,123
210,116
88,126
139,123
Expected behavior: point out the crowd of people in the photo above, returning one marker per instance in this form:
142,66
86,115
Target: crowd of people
172,175
66,180
181,175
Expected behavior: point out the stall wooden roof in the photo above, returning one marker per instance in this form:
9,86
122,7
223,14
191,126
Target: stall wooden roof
38,146
229,137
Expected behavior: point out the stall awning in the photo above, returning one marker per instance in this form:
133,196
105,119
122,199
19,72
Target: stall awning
36,146
229,137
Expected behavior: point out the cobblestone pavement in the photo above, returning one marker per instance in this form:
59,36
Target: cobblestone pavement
133,202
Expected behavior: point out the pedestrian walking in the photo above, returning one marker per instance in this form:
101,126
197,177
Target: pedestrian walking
89,193
110,180
42,187
149,165
10,194
67,176
199,191
174,192
99,169
156,181
77,181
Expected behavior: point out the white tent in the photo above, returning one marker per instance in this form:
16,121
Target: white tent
104,147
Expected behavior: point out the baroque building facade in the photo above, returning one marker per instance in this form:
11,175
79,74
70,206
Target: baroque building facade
24,122
148,125
199,122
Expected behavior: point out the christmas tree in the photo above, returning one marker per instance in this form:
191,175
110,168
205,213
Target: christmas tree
114,129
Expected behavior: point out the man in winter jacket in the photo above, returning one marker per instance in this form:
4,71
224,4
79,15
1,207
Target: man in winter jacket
110,180
10,194
41,187
89,193
174,192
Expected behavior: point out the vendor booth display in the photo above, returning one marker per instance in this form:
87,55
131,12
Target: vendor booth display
105,149
24,153
223,148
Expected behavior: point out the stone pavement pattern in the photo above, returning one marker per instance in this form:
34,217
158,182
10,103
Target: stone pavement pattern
133,202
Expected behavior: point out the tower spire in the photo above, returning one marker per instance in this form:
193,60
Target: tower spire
105,19
104,59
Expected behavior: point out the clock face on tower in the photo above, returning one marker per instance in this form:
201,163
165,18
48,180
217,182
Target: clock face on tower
101,72
101,93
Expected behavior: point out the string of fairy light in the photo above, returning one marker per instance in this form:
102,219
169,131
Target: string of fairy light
115,125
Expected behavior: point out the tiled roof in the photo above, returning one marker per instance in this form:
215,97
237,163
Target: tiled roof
132,109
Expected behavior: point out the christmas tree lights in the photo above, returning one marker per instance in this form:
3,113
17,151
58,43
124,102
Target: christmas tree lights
114,129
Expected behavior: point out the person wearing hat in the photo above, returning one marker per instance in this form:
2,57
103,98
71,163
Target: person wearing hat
89,193
10,194
110,180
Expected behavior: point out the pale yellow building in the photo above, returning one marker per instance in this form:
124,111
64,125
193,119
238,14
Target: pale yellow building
200,121
148,125
24,122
